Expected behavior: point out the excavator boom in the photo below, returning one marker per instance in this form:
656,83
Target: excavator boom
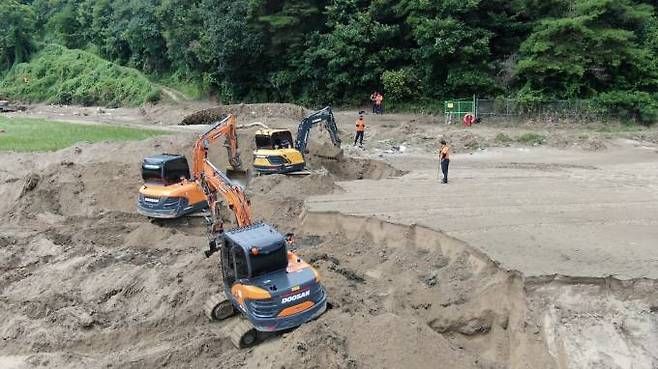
213,182
225,127
324,116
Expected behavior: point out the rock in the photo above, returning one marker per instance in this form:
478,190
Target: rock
30,183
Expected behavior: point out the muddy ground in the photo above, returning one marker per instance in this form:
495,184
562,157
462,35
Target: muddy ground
86,282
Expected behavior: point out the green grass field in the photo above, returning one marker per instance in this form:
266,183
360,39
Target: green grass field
27,134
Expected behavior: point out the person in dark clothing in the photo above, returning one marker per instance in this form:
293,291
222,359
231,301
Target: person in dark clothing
379,100
444,157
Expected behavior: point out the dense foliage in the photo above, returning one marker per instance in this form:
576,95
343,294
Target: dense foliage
62,76
318,51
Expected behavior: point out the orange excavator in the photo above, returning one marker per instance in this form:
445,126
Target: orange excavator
270,287
170,190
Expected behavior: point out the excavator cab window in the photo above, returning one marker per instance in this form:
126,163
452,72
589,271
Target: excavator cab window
266,263
277,140
264,142
241,267
165,169
176,169
282,140
228,265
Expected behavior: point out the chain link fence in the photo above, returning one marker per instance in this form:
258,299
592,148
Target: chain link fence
573,110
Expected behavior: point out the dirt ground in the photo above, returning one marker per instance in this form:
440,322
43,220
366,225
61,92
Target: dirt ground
86,282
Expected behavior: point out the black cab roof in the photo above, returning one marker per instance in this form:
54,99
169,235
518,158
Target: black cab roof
262,236
162,158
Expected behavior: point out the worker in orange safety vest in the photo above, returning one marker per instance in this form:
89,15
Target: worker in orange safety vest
444,157
360,129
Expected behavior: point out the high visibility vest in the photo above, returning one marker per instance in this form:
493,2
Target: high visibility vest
360,125
444,152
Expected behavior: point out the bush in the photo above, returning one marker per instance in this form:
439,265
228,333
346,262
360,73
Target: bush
637,106
502,138
153,96
62,76
400,85
531,138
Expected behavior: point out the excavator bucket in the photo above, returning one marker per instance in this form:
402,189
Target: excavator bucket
239,176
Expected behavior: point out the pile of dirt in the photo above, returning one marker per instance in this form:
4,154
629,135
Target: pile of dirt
244,111
349,169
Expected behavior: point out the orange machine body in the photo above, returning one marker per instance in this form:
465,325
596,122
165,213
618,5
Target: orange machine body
170,190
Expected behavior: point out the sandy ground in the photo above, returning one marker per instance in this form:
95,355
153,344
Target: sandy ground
542,211
500,269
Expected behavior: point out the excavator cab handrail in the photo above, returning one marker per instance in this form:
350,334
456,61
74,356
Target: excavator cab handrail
324,116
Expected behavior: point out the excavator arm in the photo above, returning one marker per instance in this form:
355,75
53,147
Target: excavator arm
324,116
216,183
213,182
225,127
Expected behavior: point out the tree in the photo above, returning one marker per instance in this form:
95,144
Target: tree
461,44
181,23
232,51
347,62
16,33
284,27
63,25
597,46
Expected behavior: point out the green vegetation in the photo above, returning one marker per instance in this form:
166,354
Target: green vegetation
17,26
338,51
62,76
502,138
617,128
531,138
23,134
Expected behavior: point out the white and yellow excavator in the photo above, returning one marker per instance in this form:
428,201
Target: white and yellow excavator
277,152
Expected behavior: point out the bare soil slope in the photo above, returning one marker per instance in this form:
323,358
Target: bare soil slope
86,282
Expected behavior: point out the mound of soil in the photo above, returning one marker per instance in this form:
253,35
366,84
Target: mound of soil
348,169
244,111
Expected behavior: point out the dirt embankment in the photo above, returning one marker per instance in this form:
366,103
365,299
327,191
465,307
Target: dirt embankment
246,111
87,282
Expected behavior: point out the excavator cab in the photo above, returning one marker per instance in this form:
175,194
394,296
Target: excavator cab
168,191
276,153
272,288
274,139
165,169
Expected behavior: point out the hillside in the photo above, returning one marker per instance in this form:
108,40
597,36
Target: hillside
62,76
316,52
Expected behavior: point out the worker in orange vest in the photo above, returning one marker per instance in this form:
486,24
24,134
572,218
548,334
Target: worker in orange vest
360,129
444,157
